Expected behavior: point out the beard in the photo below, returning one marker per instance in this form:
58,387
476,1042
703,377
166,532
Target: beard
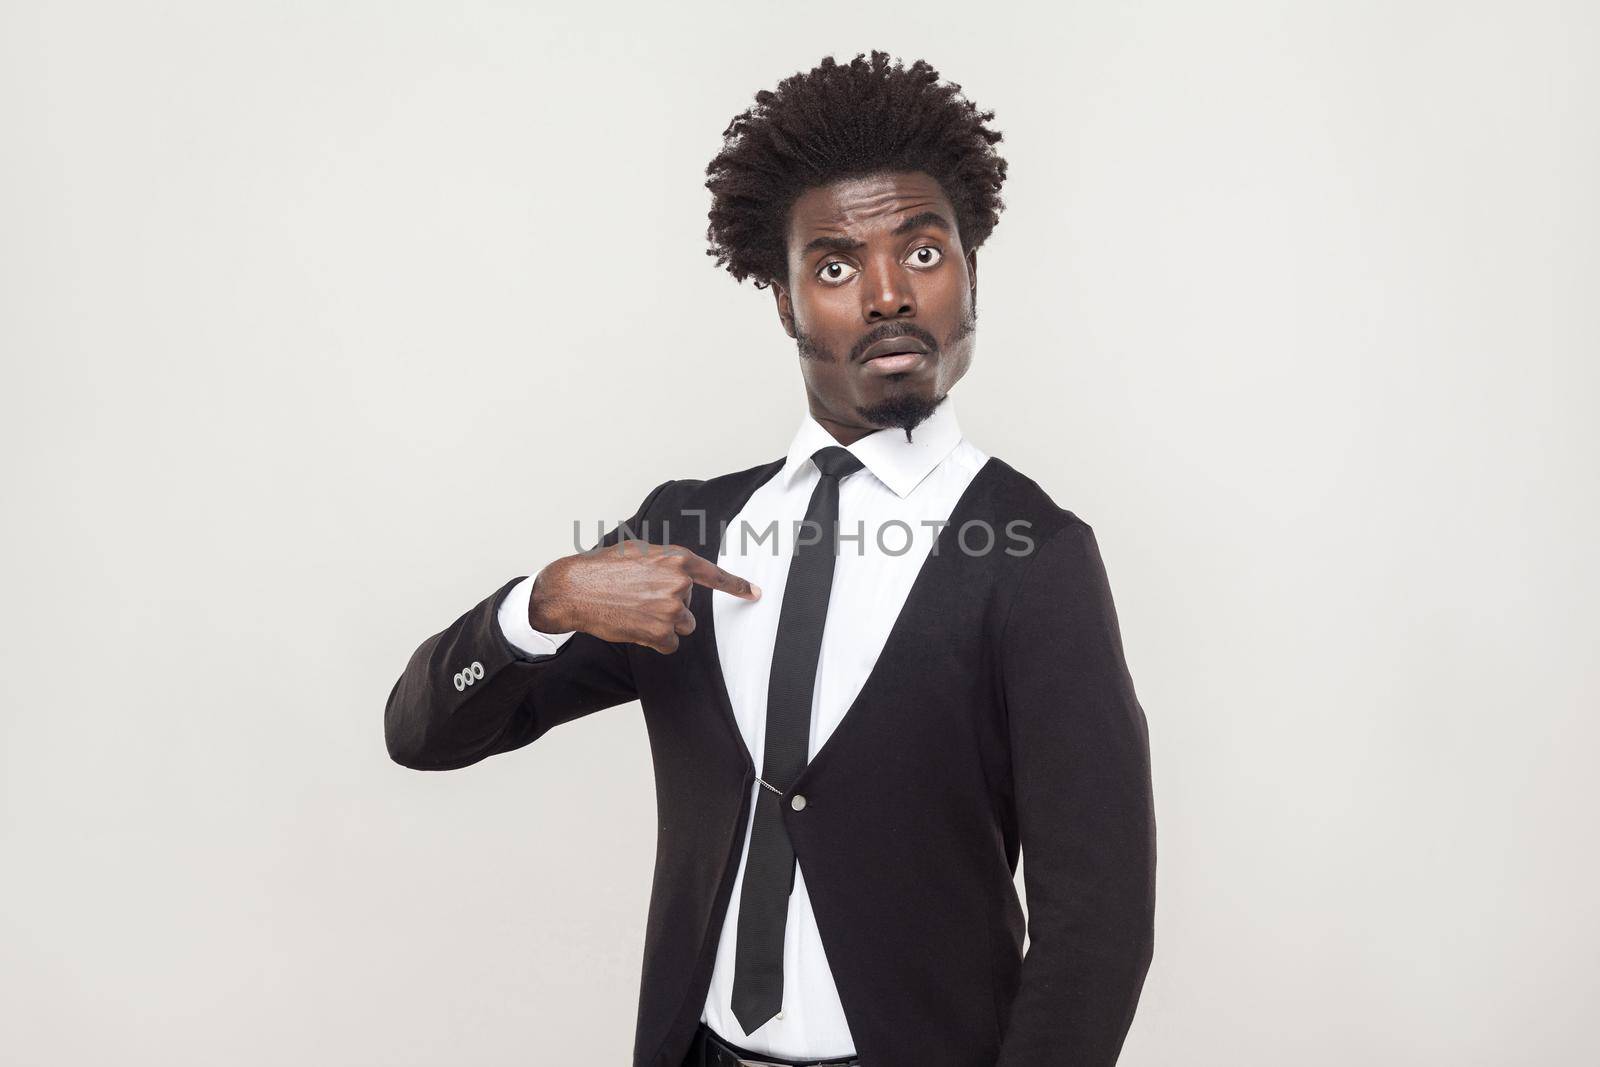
905,411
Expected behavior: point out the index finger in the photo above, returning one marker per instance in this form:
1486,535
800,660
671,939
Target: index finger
706,573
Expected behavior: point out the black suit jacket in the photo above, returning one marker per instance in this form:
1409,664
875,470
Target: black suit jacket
1000,715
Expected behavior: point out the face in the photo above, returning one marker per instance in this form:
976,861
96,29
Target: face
875,259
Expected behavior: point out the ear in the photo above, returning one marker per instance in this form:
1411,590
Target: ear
785,309
972,272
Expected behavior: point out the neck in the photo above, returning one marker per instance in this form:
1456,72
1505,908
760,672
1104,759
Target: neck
844,433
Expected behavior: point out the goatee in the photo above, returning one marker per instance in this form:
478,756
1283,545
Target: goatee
905,411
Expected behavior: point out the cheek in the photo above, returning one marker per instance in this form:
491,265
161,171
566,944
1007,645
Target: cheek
828,303
833,318
952,286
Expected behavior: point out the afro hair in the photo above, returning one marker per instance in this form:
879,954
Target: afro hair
835,122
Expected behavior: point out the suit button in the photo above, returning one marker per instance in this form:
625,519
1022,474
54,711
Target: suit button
461,683
477,669
798,802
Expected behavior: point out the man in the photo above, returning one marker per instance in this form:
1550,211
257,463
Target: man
871,670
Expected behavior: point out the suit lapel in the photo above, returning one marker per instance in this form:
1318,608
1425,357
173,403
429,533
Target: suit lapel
940,572
721,505
724,502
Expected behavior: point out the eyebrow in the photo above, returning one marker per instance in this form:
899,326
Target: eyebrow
831,243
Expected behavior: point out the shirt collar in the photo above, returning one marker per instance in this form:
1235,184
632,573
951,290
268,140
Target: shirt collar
897,463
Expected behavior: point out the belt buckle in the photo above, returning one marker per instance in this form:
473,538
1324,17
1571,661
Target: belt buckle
758,1063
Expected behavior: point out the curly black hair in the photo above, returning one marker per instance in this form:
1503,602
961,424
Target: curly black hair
834,122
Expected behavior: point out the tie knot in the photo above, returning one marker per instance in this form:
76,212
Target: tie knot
835,462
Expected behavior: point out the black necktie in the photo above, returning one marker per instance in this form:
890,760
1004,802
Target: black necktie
769,868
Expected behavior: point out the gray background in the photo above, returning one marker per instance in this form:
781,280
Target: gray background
318,323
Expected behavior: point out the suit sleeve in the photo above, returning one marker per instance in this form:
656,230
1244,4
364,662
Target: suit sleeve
1086,818
468,693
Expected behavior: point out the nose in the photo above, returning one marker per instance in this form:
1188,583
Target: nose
887,292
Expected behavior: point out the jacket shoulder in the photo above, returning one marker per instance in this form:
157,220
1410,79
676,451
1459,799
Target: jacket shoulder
682,494
1017,497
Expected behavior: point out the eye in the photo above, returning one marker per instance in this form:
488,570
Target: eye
833,271
827,278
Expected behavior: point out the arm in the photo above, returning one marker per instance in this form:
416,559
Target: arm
467,693
1081,772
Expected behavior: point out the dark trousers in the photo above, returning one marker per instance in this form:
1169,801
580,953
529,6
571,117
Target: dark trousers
709,1050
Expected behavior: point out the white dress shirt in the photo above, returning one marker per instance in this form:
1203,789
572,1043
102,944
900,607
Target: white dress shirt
898,503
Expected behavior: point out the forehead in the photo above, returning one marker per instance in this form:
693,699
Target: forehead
861,204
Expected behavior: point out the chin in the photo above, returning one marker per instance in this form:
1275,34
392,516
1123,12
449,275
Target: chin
901,409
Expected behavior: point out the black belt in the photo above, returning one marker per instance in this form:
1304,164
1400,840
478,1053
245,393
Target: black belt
709,1050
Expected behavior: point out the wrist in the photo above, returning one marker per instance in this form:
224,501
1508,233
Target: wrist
548,611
